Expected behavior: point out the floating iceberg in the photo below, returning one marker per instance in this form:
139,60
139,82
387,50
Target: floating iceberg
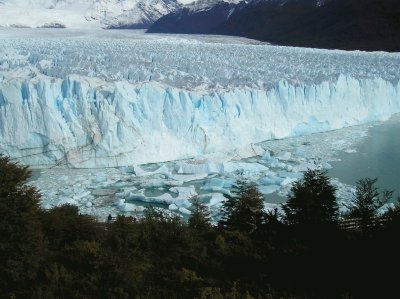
128,192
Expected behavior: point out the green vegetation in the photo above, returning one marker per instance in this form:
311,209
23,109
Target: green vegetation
312,201
367,201
200,216
244,210
307,252
21,238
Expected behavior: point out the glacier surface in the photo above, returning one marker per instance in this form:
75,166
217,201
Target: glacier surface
81,100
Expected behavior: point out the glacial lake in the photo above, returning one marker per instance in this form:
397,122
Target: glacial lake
377,156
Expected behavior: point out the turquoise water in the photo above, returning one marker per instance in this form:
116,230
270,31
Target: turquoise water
377,156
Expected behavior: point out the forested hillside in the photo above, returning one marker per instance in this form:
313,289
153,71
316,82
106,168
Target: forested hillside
309,250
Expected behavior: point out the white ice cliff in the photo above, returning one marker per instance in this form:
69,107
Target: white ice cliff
120,101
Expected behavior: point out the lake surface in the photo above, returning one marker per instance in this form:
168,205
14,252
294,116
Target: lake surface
377,156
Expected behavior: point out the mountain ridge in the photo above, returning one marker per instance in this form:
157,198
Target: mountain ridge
370,25
134,14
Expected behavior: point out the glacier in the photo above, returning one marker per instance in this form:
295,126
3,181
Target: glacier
120,99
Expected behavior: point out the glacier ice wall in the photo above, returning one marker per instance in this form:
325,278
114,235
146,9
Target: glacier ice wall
94,124
72,118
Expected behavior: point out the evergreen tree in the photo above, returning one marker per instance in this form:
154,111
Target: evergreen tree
230,205
244,209
367,200
21,238
200,217
312,200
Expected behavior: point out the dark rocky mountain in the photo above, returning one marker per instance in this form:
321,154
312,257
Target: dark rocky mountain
201,17
335,24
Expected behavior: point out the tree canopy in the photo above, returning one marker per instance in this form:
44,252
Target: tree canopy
312,200
243,210
367,200
200,215
21,237
58,253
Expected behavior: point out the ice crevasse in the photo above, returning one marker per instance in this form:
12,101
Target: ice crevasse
116,102
83,122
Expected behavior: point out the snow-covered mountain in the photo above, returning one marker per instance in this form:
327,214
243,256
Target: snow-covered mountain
130,13
89,102
202,5
84,13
